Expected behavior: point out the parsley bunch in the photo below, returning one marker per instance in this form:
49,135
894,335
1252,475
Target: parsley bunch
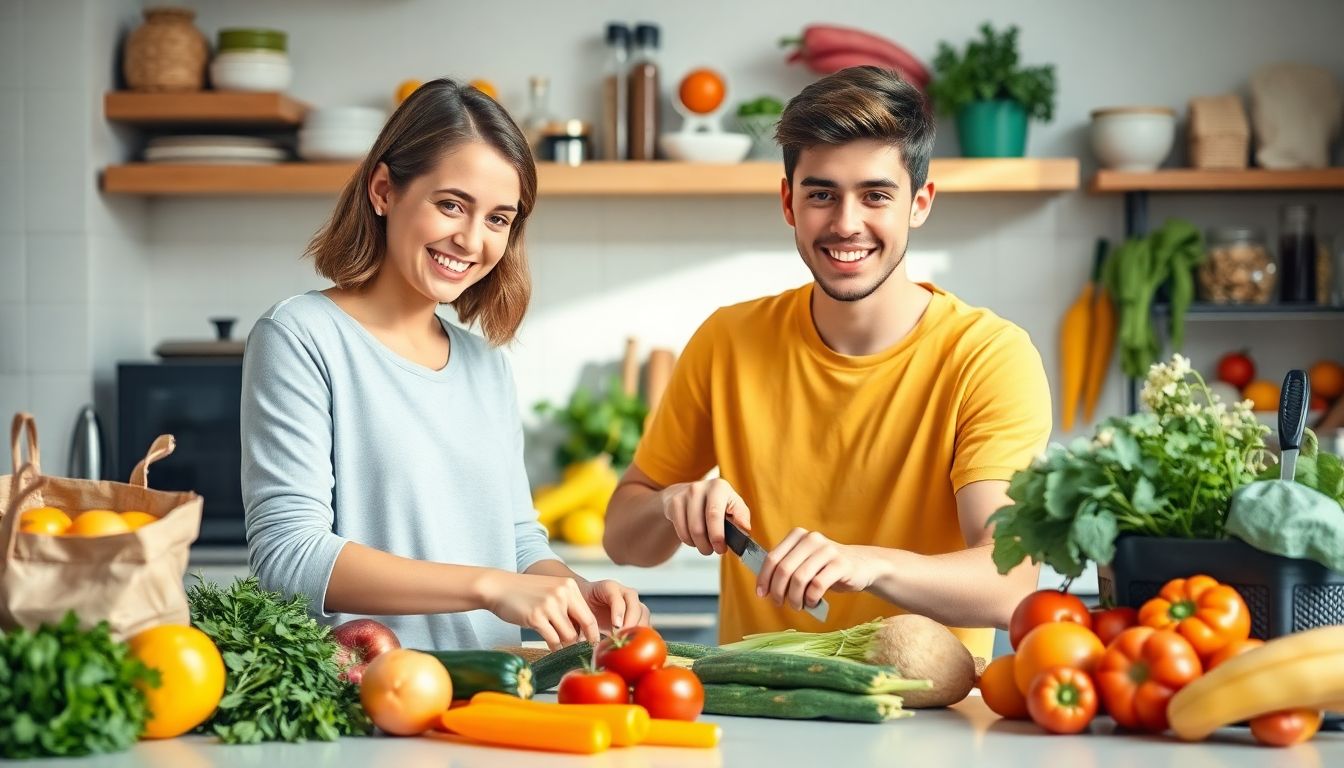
282,682
68,692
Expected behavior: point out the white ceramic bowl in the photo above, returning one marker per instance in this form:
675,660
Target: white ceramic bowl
251,71
345,118
705,147
333,144
1133,138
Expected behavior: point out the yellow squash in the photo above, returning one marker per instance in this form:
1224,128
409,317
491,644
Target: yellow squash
1073,345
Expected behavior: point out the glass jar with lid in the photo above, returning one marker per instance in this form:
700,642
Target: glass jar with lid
1238,268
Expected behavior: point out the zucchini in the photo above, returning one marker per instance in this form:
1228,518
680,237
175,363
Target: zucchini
547,671
790,670
476,671
801,704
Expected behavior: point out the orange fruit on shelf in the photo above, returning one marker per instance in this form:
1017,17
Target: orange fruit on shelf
406,88
97,522
1327,379
44,520
135,518
486,87
702,91
1264,395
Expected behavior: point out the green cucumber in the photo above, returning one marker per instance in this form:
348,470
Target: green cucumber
547,671
790,670
801,704
476,671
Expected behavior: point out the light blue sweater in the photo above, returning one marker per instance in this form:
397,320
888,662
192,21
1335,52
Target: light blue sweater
344,440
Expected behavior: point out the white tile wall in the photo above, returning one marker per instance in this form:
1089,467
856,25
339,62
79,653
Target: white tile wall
11,45
56,160
57,268
58,338
54,31
12,267
13,339
13,193
55,400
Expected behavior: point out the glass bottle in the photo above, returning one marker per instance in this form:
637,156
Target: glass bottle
615,94
1297,254
538,112
644,94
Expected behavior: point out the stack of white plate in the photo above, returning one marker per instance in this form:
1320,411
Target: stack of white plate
232,150
340,133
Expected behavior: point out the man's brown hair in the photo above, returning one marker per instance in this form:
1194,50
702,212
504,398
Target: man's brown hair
855,104
438,118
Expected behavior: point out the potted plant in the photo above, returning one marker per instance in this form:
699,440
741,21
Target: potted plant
990,94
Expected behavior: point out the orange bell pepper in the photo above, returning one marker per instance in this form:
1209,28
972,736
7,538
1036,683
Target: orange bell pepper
1208,614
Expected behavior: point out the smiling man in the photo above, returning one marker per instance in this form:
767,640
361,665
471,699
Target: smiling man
865,426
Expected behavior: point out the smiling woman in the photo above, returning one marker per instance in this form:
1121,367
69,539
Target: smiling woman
382,445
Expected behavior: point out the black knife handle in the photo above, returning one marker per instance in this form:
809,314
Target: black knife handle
1293,401
734,537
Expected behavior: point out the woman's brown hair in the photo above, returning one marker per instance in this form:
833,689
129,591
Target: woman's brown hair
440,116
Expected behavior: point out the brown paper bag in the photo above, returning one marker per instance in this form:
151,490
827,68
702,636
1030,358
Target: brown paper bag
133,580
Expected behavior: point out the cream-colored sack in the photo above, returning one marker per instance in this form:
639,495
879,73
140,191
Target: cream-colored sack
133,580
1296,111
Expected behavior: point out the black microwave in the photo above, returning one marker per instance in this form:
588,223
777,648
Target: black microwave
197,401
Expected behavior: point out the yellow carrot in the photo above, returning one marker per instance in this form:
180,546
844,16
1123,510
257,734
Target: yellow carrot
679,733
509,726
1073,343
629,723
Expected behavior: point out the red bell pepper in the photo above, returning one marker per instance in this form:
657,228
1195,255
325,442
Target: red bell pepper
1140,672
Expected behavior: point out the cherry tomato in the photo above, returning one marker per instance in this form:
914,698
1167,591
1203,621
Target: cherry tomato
593,686
671,693
631,652
1062,700
1287,727
1044,606
1108,623
1055,644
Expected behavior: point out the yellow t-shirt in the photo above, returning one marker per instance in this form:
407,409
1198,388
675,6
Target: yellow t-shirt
866,450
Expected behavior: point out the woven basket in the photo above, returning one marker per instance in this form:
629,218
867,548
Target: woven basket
1220,134
166,53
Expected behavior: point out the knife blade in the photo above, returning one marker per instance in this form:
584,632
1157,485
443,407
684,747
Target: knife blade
1292,420
753,556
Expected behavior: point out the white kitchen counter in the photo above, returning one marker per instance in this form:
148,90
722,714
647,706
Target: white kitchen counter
965,735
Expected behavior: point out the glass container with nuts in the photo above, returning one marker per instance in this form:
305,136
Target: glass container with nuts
1239,268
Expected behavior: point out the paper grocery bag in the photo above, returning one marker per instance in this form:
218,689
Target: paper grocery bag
132,580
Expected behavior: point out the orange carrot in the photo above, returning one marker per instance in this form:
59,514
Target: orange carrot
629,723
1101,343
509,726
1073,333
679,733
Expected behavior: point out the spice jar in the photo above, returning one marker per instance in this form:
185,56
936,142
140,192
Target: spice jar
564,141
1238,268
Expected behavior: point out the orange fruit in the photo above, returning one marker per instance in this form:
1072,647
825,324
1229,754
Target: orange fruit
44,520
1056,644
486,87
97,522
405,691
406,88
702,91
191,678
135,518
999,690
1264,395
1327,379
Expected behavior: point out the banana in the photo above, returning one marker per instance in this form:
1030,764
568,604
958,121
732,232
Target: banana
1304,669
585,483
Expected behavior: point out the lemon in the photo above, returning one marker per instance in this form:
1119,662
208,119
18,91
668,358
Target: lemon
583,527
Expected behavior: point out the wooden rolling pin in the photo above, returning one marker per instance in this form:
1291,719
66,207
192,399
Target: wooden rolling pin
660,372
630,367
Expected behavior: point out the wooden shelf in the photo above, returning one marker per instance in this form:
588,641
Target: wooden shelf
204,108
1195,180
1203,311
955,175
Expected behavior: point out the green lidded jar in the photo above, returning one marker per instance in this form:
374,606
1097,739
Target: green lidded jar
252,39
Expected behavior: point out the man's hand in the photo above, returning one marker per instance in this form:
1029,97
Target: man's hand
614,604
697,511
805,565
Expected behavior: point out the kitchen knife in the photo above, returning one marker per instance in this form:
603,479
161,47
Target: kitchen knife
751,553
1292,420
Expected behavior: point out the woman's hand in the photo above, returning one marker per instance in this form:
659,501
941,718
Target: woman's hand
552,606
615,605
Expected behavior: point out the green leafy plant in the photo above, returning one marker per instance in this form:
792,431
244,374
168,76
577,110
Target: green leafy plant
989,71
1316,469
1167,472
1135,271
608,422
282,682
69,692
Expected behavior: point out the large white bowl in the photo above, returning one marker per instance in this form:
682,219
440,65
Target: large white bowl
707,147
345,118
335,144
251,71
1133,138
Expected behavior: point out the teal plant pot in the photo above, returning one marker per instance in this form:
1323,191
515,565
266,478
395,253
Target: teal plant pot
992,129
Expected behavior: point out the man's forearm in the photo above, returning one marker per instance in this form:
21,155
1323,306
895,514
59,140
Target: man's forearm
958,589
637,532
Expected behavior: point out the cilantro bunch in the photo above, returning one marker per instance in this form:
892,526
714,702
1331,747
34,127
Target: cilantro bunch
1167,472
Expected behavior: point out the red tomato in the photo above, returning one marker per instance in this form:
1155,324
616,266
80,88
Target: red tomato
1062,700
1236,369
631,652
671,693
1110,622
593,686
1044,606
1287,727
1140,673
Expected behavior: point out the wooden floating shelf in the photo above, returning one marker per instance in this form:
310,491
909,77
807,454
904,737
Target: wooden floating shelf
1196,180
951,175
204,108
